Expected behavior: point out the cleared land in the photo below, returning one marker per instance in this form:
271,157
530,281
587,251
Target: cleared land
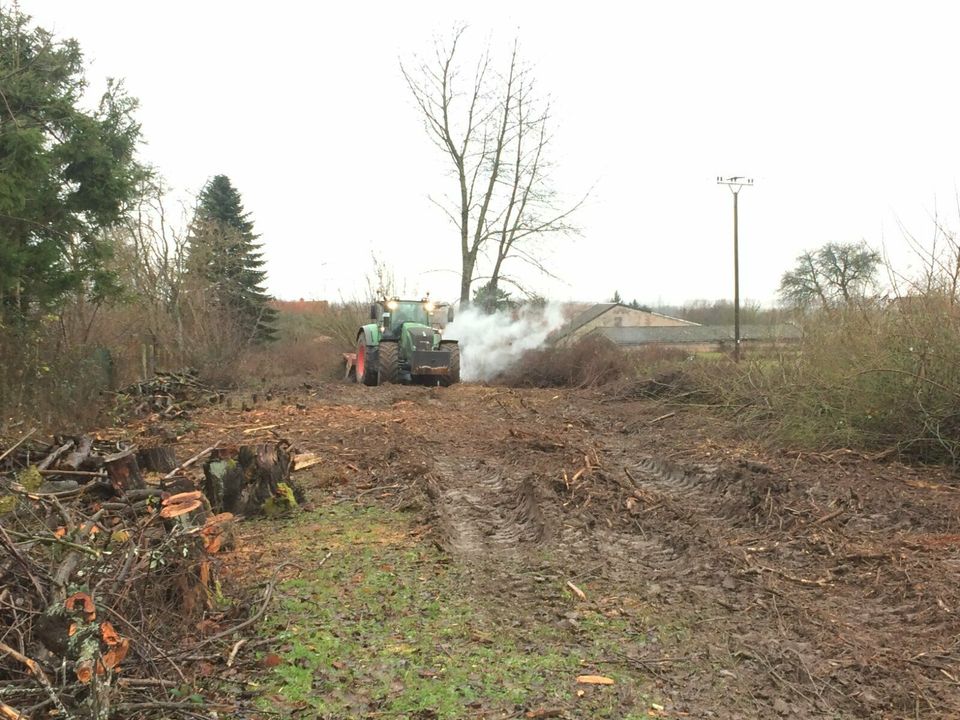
471,551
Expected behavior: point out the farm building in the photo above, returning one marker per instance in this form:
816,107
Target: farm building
615,316
701,338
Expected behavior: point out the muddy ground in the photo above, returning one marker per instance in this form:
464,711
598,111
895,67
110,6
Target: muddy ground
811,586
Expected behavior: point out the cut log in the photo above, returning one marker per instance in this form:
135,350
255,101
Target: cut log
54,456
123,471
157,459
74,460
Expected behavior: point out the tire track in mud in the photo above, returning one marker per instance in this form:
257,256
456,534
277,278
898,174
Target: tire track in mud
485,514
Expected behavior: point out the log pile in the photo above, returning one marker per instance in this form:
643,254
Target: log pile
108,564
170,395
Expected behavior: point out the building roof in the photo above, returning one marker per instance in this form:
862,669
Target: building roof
697,333
595,311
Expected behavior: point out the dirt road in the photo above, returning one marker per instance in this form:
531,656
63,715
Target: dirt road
730,582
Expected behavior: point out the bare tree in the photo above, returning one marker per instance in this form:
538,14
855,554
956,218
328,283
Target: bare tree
151,257
940,263
494,131
837,273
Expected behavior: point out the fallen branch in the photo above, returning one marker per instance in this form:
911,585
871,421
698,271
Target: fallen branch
11,713
184,465
233,652
38,673
828,517
17,444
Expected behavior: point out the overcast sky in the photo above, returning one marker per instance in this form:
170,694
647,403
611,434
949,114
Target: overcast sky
845,113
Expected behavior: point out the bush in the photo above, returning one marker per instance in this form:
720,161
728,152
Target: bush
591,362
880,377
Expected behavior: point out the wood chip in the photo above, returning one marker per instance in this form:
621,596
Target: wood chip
250,431
594,680
306,460
576,591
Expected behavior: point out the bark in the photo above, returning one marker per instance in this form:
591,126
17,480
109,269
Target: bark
78,457
124,472
158,459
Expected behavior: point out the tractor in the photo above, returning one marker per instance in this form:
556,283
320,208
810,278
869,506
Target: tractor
404,345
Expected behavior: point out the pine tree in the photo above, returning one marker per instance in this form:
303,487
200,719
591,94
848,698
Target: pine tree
225,252
66,173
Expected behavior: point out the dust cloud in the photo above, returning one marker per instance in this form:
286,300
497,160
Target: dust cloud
489,344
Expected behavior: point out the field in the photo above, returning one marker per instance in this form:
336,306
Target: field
471,552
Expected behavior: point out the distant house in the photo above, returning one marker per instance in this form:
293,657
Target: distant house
615,316
701,338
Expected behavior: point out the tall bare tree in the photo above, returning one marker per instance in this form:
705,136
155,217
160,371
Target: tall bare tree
493,128
835,274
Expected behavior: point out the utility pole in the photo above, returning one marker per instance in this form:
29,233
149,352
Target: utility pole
736,184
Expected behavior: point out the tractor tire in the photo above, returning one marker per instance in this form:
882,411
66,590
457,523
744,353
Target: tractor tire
389,362
454,375
366,373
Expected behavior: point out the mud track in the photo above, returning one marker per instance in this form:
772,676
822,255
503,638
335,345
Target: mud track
814,586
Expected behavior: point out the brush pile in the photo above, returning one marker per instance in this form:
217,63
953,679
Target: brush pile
170,395
108,570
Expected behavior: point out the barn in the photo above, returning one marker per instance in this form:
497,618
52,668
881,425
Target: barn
615,315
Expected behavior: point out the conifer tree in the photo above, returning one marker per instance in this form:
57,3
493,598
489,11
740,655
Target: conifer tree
223,249
66,173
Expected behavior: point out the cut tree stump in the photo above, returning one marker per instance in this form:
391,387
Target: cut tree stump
251,480
158,459
123,471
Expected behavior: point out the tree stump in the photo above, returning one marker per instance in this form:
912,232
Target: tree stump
251,480
123,471
158,459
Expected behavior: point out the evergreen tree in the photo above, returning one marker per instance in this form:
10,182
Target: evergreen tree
616,297
224,250
491,299
65,173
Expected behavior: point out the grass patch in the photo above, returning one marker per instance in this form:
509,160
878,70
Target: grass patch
388,627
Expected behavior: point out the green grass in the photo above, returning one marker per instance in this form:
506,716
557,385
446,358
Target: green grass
387,627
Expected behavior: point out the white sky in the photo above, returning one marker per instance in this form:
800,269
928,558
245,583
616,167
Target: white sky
845,113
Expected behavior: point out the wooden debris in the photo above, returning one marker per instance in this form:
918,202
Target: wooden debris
576,591
594,680
133,567
170,395
303,461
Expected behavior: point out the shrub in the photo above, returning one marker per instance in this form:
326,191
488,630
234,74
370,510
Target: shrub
591,362
881,377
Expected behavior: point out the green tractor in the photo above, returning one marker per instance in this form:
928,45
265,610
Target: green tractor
403,345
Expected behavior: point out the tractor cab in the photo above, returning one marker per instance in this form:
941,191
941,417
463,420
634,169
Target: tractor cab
397,312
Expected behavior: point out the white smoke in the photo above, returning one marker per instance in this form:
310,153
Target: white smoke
489,344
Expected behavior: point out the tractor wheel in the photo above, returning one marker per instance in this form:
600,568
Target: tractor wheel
389,362
366,372
454,375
